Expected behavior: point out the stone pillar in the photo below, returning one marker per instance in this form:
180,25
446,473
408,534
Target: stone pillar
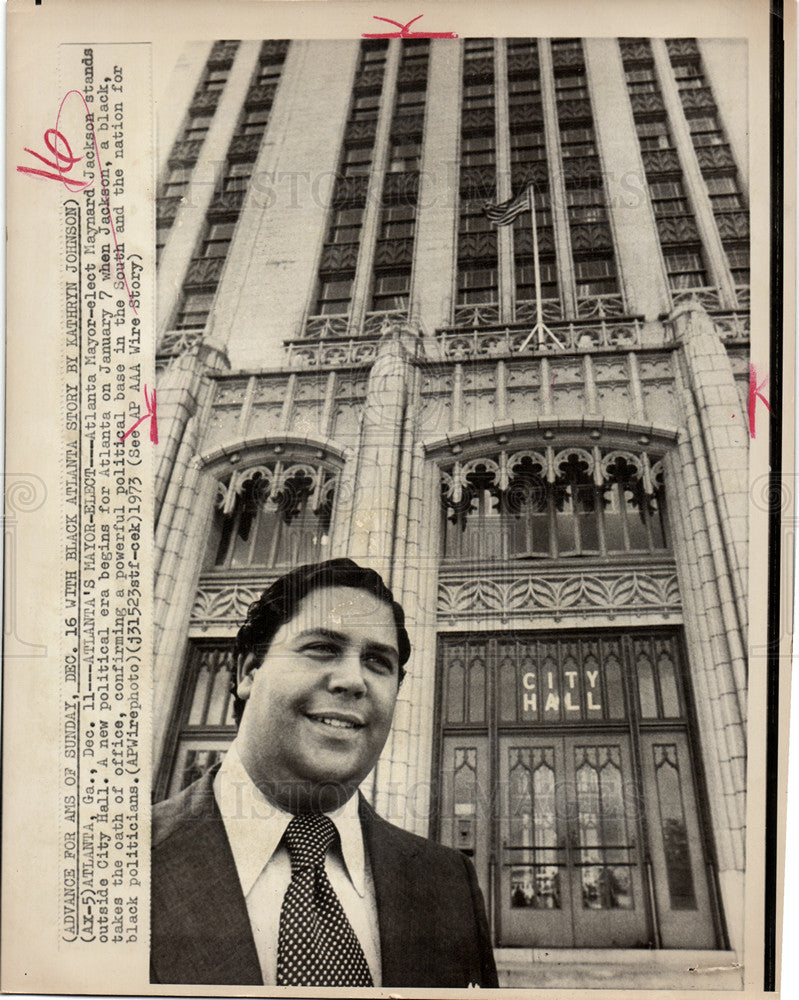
435,248
189,222
695,186
374,497
715,688
724,440
191,506
557,185
632,220
506,271
172,105
725,62
270,275
180,388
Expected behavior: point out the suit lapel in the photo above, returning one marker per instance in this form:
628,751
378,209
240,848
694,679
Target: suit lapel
390,857
202,906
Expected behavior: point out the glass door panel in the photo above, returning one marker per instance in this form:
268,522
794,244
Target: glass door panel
678,858
466,809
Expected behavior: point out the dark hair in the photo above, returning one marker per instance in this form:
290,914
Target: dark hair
278,605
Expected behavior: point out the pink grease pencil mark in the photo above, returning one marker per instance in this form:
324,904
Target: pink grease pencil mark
151,414
404,31
70,183
754,395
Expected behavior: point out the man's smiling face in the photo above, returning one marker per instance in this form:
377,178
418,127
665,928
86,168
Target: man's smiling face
319,705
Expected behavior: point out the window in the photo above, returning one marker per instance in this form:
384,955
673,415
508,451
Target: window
161,234
365,107
237,177
254,122
654,135
738,257
641,80
404,158
706,131
334,296
525,280
217,240
346,226
685,269
391,290
570,86
534,518
194,310
723,193
273,516
478,151
176,182
197,127
668,198
595,276
585,205
357,161
398,222
577,141
477,284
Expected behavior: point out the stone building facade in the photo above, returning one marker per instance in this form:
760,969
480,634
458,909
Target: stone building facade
346,366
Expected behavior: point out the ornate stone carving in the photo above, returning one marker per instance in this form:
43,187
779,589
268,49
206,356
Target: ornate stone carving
574,108
525,62
646,103
582,168
700,99
204,271
167,208
244,147
714,157
523,239
530,112
481,69
562,592
660,161
478,246
359,132
227,203
350,190
262,95
477,119
391,253
407,126
677,229
186,151
477,343
222,54
327,326
225,603
733,225
339,257
478,182
204,100
591,236
402,187
413,73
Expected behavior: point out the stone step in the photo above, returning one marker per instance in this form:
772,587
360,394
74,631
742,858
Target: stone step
598,968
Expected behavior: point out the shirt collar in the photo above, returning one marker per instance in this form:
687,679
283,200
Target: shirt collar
255,826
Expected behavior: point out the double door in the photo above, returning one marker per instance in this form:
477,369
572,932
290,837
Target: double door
583,836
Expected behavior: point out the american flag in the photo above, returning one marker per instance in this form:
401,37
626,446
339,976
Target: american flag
507,211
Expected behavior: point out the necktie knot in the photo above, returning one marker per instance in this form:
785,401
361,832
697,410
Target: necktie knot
308,838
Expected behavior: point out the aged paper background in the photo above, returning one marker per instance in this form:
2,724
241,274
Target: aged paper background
44,46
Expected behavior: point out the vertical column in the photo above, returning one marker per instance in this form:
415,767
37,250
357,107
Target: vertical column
180,388
362,286
374,498
723,728
719,56
190,219
182,83
274,257
724,441
502,139
435,248
557,184
192,508
694,182
631,217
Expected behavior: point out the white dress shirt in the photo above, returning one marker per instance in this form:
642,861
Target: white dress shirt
255,827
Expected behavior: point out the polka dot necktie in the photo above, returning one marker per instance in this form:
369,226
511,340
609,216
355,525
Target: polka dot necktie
316,943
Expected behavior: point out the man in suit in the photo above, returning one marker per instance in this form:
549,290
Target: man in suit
273,868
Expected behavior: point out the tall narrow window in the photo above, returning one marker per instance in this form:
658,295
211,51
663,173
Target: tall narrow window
477,296
598,291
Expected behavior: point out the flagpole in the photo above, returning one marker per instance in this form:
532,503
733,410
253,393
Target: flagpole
540,331
539,320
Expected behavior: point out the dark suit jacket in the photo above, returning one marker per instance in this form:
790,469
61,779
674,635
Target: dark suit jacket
433,930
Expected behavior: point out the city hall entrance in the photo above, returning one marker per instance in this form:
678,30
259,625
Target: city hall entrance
569,776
